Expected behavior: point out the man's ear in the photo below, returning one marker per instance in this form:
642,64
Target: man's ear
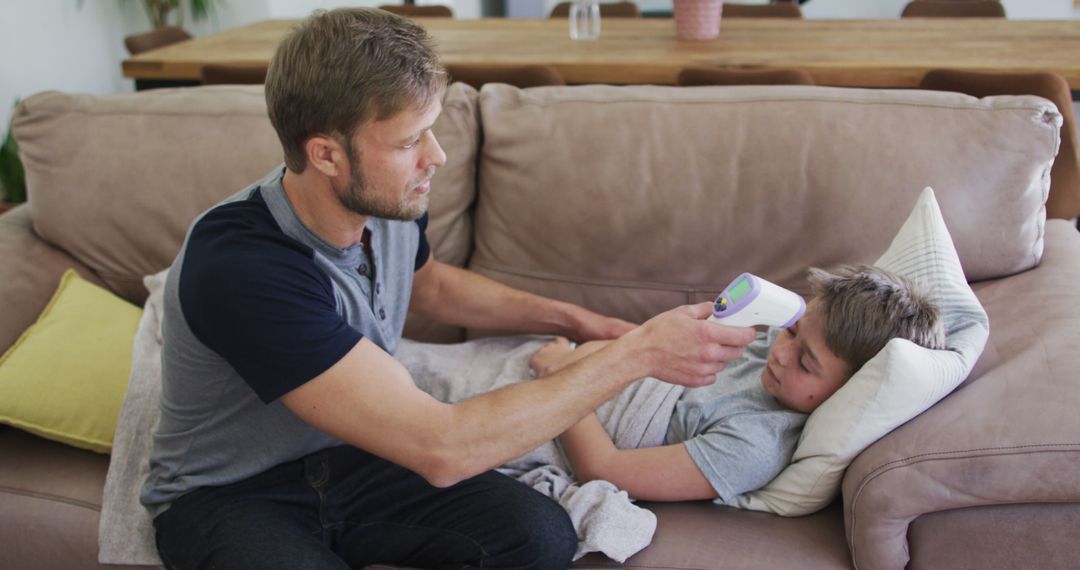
326,154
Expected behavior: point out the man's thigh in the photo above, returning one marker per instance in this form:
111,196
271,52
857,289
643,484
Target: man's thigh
269,521
387,514
344,507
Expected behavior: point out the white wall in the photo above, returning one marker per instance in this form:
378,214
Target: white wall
55,44
77,45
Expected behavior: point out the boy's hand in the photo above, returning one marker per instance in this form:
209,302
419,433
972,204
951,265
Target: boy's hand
681,347
551,357
560,353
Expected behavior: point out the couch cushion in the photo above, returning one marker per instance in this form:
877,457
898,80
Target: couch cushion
998,536
116,180
702,535
450,225
655,196
50,495
65,377
30,270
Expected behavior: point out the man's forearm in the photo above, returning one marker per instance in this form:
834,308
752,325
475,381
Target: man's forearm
464,298
547,407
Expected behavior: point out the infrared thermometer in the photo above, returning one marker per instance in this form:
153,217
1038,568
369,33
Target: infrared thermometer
750,301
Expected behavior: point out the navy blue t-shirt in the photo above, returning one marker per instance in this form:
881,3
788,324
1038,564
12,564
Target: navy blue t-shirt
255,305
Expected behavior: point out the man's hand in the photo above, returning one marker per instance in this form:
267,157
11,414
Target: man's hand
592,326
681,347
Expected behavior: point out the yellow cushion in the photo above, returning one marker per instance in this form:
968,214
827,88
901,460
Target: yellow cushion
64,379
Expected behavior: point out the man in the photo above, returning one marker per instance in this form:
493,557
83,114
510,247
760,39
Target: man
290,437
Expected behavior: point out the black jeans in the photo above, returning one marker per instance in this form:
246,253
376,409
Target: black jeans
345,508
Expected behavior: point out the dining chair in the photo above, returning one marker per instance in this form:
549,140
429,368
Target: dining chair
234,74
953,9
607,10
1064,198
779,10
699,76
160,37
411,11
516,75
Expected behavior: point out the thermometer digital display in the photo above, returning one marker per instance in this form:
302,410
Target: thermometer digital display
750,301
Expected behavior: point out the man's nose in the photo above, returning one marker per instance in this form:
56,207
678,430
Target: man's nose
436,156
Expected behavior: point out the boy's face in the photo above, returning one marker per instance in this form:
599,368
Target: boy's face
802,372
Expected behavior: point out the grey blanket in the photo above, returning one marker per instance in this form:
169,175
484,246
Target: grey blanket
604,517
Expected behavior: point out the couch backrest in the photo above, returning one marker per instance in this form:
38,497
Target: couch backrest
626,199
632,200
116,180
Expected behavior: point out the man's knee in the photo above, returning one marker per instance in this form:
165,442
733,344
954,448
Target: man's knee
542,535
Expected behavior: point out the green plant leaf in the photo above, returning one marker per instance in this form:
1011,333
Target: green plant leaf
12,175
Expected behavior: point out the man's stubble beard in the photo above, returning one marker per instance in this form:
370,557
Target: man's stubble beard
359,199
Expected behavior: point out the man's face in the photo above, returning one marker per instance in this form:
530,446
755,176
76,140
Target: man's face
391,163
802,372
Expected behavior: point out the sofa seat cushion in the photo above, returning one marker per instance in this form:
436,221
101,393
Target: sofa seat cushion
703,535
50,498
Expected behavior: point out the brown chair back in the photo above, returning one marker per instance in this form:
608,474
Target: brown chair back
223,73
761,10
1064,198
698,76
607,10
410,11
160,37
953,9
516,75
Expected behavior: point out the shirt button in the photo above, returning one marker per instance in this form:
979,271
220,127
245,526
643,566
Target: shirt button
362,269
382,314
378,288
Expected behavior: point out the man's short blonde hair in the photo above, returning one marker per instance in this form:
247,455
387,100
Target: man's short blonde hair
864,307
340,68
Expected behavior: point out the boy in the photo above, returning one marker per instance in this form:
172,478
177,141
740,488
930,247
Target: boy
736,435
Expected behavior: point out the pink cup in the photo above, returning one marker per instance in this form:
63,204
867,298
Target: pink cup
697,19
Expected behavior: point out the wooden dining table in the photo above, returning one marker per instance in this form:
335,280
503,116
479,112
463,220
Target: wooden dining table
853,53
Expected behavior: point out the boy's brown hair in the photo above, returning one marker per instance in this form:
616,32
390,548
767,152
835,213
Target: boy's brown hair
864,307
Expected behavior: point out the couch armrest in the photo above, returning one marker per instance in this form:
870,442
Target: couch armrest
1010,434
30,271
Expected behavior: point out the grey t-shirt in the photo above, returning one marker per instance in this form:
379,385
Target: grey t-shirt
255,305
738,435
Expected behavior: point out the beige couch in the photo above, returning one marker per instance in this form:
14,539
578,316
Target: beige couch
630,201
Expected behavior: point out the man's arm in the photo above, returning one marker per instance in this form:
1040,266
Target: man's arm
665,473
369,400
460,297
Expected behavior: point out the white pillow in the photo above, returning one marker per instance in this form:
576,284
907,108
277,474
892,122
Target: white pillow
899,383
